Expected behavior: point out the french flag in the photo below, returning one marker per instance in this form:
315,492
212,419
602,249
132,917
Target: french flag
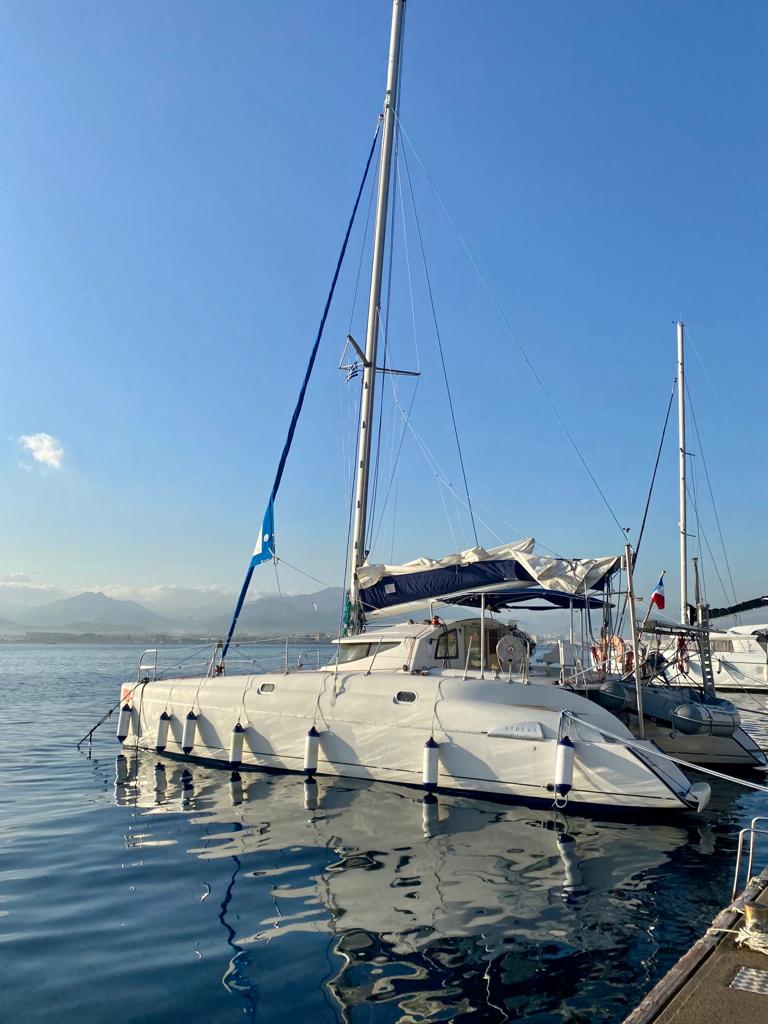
657,597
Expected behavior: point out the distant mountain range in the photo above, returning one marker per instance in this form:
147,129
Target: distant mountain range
95,613
97,609
299,613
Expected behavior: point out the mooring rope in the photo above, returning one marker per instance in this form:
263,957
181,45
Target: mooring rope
655,752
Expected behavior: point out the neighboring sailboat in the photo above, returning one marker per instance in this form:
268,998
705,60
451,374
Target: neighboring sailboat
739,657
691,722
411,724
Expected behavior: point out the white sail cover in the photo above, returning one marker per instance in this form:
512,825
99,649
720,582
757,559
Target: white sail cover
393,589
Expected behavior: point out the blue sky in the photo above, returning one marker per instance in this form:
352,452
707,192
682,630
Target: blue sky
176,183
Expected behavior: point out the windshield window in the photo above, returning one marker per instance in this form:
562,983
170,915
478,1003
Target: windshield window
354,652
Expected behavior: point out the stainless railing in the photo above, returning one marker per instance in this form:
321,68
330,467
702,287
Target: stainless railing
146,669
752,832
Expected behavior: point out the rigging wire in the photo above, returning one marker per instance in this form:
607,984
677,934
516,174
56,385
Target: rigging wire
512,333
367,544
694,493
655,469
711,494
439,339
328,586
623,612
302,394
441,480
288,630
350,515
363,245
395,397
346,416
689,337
711,555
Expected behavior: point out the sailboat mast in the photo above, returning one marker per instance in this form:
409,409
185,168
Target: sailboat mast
358,554
683,496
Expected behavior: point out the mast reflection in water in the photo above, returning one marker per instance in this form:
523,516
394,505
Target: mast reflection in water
353,901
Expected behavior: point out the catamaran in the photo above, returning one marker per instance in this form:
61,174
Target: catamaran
412,719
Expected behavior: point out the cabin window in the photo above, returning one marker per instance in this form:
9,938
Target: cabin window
354,652
267,688
447,646
722,646
405,697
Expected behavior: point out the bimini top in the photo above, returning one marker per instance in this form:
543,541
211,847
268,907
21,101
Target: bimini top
532,599
397,589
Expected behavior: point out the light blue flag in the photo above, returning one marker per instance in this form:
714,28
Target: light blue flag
265,545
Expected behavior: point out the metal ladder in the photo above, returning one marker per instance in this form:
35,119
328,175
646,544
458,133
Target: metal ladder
705,650
702,636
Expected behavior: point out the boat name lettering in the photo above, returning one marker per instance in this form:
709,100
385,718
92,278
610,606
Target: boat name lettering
519,731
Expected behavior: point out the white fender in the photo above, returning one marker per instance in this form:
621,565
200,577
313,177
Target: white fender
188,736
311,750
564,767
124,722
161,739
236,746
430,764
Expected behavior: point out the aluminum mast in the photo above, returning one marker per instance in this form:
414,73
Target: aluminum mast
683,496
358,554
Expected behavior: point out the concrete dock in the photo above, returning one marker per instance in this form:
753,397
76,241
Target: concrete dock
717,981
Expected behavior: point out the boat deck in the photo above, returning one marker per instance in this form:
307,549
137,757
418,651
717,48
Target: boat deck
699,989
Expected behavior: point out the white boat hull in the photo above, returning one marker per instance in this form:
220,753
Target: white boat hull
375,726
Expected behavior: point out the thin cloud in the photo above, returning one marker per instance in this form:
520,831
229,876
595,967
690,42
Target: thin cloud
44,448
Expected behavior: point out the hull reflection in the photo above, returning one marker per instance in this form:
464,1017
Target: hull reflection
441,906
402,866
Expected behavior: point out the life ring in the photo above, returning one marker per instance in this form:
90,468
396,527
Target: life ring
611,648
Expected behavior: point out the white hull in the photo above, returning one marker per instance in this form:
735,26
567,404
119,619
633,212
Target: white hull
368,732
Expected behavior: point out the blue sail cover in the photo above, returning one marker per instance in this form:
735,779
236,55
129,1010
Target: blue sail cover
500,573
432,584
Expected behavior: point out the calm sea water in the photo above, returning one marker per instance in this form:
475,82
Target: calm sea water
138,890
